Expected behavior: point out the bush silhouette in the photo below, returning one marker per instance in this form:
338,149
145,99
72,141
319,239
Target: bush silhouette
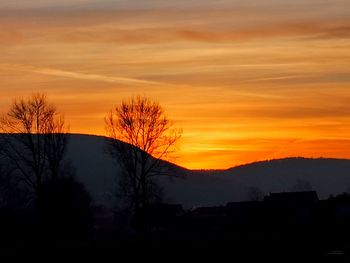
65,210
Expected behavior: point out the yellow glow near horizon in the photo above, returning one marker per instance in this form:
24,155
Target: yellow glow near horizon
245,82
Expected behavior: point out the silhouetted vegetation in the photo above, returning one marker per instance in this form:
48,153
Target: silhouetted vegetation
302,185
65,209
42,205
33,141
39,199
140,137
12,195
255,194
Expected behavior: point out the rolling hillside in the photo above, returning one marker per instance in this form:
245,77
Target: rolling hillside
199,188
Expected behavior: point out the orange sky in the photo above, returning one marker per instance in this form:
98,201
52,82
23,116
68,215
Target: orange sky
245,80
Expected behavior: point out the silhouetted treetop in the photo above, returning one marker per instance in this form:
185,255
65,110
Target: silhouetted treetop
148,137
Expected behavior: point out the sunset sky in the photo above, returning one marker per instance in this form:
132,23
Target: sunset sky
245,80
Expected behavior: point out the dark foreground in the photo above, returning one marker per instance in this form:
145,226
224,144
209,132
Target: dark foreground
284,227
282,245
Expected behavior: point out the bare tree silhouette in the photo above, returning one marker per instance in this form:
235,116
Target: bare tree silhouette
302,185
34,140
255,194
140,137
12,196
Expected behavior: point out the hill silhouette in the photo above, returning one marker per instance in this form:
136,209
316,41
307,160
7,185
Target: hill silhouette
210,187
192,188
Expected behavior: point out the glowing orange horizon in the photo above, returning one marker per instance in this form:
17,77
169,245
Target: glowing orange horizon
245,81
230,155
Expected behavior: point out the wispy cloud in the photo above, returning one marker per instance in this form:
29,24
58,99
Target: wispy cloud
140,26
276,78
203,33
79,75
